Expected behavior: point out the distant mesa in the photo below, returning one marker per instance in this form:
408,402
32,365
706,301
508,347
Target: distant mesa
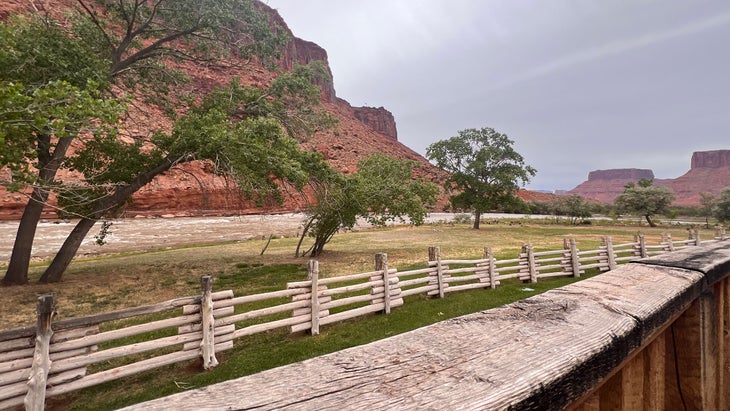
621,174
709,173
711,159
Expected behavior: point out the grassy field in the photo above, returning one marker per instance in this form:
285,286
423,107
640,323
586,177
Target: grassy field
119,281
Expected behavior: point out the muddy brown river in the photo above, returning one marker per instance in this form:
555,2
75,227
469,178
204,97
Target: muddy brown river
150,233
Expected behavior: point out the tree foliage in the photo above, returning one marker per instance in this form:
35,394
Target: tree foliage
382,190
137,36
707,207
645,199
722,207
575,207
52,89
485,170
241,131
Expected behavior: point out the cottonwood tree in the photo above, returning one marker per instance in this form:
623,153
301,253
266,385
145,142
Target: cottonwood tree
707,206
645,199
52,88
244,132
382,190
129,43
575,207
722,207
485,170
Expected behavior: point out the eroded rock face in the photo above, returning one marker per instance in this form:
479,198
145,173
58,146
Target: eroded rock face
380,119
633,174
710,159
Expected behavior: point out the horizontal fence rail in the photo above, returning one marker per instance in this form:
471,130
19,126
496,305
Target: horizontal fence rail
57,357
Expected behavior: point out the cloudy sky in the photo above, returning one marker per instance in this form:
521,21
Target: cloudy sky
579,85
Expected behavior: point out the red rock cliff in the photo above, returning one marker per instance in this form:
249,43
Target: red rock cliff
709,173
710,159
380,119
632,174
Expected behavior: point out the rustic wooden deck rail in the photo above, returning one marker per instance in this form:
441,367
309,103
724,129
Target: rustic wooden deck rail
53,358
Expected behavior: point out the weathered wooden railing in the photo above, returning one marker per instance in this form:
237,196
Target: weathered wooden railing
53,358
650,335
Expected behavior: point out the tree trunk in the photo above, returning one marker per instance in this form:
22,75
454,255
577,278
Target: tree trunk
67,252
17,272
477,219
650,221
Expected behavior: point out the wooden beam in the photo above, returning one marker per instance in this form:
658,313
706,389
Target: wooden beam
655,374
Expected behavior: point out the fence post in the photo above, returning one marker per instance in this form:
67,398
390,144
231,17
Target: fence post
697,237
36,397
574,258
381,263
642,246
207,345
313,275
531,268
667,240
610,254
434,254
491,267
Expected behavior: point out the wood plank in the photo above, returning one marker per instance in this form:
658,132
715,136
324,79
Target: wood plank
655,371
262,312
259,297
125,313
11,347
12,402
111,335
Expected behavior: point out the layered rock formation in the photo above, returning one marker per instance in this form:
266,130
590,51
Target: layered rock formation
630,174
605,185
709,173
380,119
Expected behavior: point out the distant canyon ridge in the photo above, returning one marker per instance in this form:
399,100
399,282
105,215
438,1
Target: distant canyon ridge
709,173
191,189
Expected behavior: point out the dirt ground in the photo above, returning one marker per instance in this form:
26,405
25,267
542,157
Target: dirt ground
150,233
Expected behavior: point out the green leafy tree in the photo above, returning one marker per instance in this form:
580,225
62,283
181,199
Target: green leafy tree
575,207
722,207
645,199
244,132
707,206
382,190
52,88
486,171
133,43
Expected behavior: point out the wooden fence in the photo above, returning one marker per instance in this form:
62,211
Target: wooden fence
57,357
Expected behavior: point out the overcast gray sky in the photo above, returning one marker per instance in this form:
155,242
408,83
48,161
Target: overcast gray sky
579,85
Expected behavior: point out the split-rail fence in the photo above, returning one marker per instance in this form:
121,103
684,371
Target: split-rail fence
57,357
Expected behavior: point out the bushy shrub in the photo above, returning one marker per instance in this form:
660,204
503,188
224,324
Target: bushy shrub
462,218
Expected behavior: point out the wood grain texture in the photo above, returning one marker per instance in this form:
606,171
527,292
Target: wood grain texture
536,354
